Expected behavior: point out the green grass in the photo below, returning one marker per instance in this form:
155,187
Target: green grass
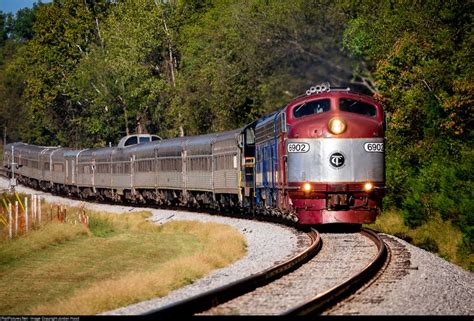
437,236
122,259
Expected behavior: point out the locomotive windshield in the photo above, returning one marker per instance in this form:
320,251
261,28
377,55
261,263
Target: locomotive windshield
356,106
312,107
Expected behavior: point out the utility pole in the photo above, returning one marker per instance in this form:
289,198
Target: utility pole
12,165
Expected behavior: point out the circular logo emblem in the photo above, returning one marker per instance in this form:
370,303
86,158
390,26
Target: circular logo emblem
336,160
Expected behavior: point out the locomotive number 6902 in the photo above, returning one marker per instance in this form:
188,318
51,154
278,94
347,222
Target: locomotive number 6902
374,147
298,148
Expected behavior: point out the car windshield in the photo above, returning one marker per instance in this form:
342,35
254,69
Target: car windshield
357,106
312,107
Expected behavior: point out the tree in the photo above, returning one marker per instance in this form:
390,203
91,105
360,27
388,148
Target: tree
420,57
63,31
124,78
241,60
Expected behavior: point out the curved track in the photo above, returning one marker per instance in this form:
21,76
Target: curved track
295,291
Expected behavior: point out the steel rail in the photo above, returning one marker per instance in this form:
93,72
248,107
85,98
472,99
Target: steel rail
323,301
209,299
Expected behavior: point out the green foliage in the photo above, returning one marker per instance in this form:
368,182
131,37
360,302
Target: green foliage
420,56
264,54
122,79
428,244
22,27
3,28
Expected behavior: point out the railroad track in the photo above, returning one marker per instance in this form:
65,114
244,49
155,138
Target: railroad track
328,298
284,289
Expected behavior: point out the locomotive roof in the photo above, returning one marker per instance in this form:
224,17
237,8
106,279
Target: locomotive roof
330,93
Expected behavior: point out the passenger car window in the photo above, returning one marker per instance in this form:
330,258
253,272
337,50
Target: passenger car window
131,141
144,140
358,107
312,107
153,138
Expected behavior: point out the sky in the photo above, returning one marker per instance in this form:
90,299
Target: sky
13,5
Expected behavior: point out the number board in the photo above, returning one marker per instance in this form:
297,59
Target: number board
374,147
298,147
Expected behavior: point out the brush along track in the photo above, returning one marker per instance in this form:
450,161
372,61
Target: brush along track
217,296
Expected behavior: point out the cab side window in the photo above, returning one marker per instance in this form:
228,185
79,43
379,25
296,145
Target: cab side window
312,107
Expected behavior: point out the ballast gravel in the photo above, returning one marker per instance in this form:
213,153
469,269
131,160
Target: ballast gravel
415,282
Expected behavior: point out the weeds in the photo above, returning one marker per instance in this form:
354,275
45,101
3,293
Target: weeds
437,236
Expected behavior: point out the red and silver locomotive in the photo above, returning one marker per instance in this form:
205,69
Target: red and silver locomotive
318,160
322,157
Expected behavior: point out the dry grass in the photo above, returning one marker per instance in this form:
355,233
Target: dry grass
122,259
438,236
51,234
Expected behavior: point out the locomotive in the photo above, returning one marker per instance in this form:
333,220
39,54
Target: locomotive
318,160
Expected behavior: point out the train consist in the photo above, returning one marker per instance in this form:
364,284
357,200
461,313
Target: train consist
318,160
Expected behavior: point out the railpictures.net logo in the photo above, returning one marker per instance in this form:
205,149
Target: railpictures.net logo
39,318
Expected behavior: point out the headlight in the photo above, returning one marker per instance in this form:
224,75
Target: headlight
368,186
337,126
307,187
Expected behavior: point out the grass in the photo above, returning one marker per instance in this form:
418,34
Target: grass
119,260
437,236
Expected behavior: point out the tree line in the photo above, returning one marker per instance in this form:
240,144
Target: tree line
83,73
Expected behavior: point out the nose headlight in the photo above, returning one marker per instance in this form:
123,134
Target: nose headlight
368,186
337,126
307,187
